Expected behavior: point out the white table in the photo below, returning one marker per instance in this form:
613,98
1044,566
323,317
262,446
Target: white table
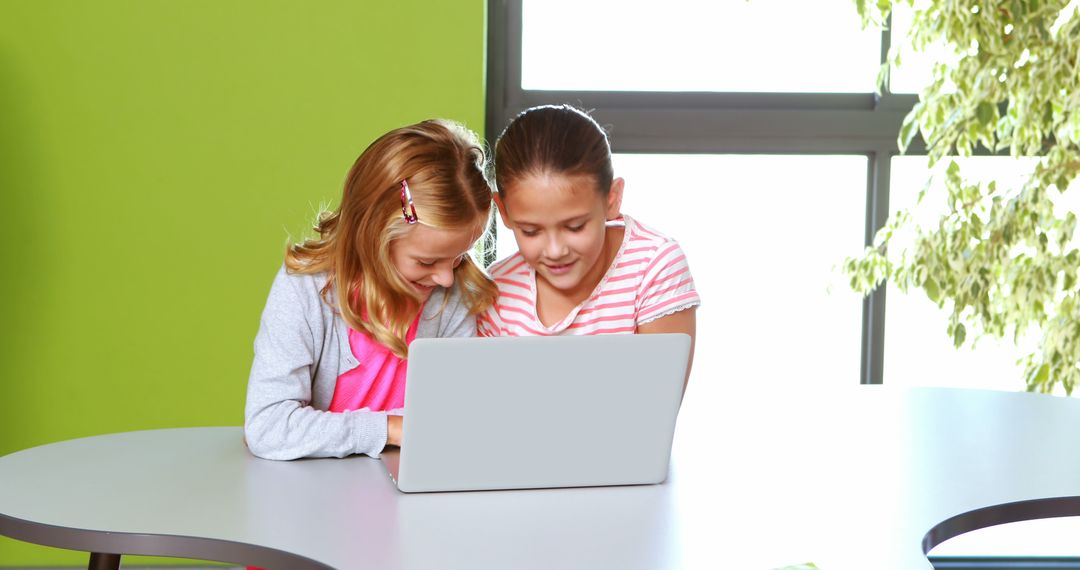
866,477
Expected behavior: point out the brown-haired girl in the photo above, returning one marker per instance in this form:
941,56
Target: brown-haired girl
582,266
390,264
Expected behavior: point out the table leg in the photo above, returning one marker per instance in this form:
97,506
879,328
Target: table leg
99,561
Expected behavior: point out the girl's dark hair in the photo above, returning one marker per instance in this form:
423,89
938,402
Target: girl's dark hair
553,139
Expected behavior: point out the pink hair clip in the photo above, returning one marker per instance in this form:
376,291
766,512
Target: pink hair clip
407,204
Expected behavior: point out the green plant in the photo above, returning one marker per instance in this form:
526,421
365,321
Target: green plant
1002,260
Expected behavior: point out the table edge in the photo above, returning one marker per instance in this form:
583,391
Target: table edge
1018,511
148,544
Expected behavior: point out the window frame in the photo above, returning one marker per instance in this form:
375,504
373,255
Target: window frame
725,123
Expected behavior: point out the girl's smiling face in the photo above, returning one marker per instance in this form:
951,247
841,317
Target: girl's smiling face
558,221
425,257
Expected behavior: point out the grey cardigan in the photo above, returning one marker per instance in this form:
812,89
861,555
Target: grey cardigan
301,348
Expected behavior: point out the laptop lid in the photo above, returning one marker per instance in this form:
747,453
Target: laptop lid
535,412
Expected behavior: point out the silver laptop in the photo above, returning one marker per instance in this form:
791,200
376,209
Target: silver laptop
536,412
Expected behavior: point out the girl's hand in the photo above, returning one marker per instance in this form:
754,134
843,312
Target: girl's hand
393,430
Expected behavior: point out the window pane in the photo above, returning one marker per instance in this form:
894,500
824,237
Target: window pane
762,249
916,69
917,349
697,45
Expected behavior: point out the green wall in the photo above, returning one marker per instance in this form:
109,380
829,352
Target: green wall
154,158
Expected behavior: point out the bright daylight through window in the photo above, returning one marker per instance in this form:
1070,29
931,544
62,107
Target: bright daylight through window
750,132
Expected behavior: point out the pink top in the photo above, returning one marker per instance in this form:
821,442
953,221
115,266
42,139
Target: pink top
648,279
378,382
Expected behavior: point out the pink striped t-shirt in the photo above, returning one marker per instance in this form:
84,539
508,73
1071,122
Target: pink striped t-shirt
648,279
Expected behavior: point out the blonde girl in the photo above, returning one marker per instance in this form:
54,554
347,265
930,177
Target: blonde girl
392,263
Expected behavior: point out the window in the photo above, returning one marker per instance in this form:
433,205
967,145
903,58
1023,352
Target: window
744,268
697,45
916,68
767,107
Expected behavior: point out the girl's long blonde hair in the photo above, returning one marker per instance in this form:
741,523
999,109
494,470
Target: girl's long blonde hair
444,164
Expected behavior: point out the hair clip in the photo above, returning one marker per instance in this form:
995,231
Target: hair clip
407,204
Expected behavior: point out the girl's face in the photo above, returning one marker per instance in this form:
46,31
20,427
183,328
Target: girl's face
426,257
558,221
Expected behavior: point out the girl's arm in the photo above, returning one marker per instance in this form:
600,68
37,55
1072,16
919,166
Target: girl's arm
279,420
684,321
668,297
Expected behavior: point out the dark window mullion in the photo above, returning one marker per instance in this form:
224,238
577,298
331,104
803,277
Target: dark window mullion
877,214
